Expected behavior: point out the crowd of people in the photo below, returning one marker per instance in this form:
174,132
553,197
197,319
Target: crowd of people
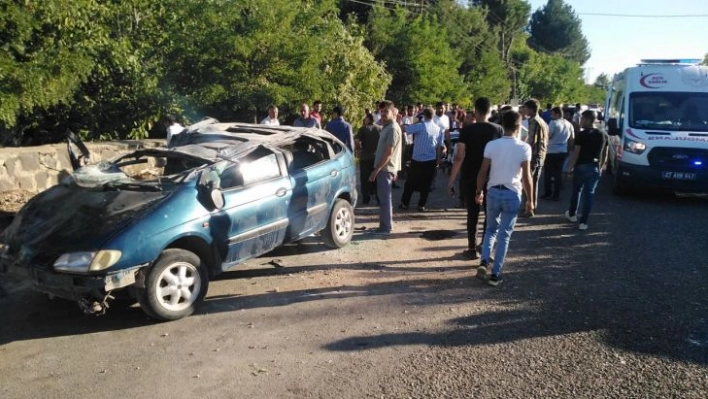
498,156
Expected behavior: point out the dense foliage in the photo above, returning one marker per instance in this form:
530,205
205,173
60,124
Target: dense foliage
109,69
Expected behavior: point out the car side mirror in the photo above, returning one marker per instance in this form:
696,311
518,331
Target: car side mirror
209,191
612,128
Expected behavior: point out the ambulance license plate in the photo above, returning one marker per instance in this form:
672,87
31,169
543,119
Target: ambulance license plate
678,176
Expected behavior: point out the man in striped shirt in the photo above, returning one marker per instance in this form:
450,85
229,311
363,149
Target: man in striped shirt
428,143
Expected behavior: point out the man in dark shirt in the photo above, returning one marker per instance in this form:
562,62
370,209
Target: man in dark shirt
367,138
468,160
341,128
589,156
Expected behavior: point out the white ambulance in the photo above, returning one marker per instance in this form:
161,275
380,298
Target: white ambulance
657,119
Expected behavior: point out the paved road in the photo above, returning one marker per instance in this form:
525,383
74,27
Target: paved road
618,311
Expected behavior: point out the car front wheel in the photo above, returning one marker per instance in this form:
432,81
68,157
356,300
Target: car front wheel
340,226
174,286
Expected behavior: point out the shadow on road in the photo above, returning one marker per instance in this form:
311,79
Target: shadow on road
639,278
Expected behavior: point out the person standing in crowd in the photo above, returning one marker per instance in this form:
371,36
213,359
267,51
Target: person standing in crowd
367,139
341,128
171,127
576,114
427,153
387,163
317,111
305,119
559,132
272,118
538,140
507,163
408,119
546,115
442,119
377,114
474,137
586,163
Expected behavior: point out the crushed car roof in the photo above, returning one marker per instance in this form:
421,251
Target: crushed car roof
213,140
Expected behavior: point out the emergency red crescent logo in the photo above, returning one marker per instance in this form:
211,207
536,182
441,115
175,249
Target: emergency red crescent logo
653,81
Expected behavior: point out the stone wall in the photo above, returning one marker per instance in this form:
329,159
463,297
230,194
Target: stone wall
35,169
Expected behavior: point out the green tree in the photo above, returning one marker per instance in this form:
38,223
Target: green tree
48,51
547,77
474,44
250,54
556,29
418,55
705,60
508,18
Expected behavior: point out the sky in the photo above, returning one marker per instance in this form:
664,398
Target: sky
620,42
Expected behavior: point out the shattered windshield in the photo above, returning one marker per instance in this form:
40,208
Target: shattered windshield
138,171
669,111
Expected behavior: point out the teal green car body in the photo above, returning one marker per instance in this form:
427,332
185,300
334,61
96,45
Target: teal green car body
272,185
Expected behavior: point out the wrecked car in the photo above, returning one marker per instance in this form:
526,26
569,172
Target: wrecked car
158,223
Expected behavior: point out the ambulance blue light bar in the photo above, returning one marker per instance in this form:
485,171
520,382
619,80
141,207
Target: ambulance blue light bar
683,61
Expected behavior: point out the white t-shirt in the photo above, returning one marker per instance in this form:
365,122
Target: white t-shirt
270,122
506,155
443,121
173,130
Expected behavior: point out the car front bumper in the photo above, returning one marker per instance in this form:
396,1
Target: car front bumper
691,180
70,286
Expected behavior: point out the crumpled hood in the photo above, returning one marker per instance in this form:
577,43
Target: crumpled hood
69,218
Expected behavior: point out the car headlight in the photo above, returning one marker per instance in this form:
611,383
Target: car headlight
634,147
80,262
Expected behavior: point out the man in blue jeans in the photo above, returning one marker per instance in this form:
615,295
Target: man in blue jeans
589,156
508,162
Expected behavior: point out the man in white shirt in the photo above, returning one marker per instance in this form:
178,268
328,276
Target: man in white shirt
173,128
441,119
272,118
507,163
559,132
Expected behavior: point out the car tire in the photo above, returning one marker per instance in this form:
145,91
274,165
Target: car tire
175,285
340,226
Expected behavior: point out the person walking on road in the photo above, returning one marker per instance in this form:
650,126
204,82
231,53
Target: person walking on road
387,163
589,156
469,153
559,132
508,163
427,154
538,139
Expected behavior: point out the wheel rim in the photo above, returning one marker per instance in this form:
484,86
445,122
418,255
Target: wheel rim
178,286
342,224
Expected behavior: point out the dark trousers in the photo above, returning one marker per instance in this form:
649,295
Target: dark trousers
420,178
552,181
366,166
473,210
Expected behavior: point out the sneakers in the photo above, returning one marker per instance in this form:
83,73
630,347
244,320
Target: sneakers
583,226
422,209
379,232
494,280
403,207
572,219
470,254
482,271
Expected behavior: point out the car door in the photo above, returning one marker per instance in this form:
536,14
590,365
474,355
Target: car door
313,176
257,194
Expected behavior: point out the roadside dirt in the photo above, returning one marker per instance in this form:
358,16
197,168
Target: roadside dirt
400,317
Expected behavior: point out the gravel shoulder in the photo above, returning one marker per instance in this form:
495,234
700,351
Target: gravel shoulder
614,312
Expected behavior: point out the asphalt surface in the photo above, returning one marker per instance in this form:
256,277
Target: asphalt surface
617,311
